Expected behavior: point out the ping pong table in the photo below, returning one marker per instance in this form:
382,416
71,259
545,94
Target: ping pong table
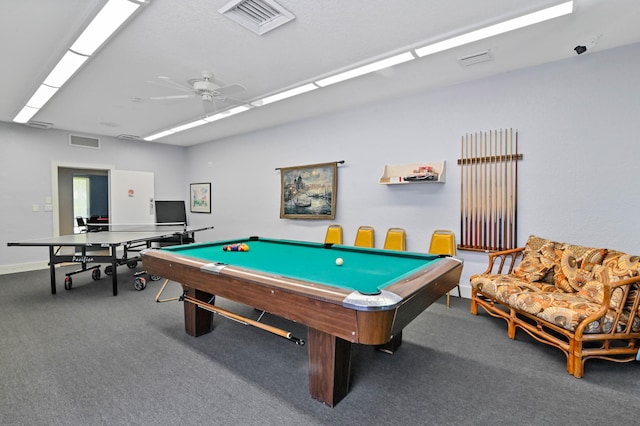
119,245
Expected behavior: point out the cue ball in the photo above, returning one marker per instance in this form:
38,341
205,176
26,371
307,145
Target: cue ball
339,261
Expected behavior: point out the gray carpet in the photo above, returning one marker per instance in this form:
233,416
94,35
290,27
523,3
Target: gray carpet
84,357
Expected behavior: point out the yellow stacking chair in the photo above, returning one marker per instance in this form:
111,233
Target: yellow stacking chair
365,237
334,234
395,240
444,242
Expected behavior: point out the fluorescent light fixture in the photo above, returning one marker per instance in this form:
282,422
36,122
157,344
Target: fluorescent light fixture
158,135
366,69
228,113
25,114
106,22
199,122
286,94
42,96
500,28
68,65
188,126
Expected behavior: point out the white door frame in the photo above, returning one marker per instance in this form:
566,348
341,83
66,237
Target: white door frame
55,165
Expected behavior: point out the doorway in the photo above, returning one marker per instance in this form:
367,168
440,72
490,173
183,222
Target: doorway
81,192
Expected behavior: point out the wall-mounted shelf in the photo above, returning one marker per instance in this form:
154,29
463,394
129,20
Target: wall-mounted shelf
413,173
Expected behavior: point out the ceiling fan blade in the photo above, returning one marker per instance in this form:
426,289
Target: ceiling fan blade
230,89
171,84
162,98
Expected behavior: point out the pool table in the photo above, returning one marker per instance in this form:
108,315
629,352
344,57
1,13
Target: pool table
368,299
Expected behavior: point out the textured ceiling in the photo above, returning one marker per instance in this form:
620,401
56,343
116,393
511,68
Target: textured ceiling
179,39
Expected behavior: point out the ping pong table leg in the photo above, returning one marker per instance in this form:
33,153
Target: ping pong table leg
52,270
114,268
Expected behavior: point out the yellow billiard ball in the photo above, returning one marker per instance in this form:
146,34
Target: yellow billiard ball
339,261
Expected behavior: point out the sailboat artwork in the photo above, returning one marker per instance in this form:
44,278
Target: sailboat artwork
308,192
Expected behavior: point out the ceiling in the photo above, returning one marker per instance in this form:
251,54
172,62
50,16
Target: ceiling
110,95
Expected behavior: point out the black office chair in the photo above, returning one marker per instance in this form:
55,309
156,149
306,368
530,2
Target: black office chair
82,225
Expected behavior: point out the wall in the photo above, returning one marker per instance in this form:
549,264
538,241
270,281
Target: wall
578,128
26,180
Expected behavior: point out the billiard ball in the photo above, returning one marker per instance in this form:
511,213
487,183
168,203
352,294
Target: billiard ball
339,261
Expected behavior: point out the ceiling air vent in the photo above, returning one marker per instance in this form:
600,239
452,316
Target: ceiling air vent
258,16
476,58
40,124
84,141
129,137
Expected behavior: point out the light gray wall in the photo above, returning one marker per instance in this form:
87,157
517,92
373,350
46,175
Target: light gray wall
578,124
26,157
578,130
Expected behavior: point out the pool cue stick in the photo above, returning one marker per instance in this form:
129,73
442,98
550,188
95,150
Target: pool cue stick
473,189
493,190
481,191
490,191
469,191
511,160
500,197
474,141
484,190
476,239
244,320
515,201
506,194
462,165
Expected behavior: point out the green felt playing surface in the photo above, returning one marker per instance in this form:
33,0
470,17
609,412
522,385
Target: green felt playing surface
365,270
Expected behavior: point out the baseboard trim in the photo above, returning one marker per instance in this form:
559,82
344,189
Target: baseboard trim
23,267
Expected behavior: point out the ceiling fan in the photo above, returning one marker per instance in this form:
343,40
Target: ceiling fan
208,89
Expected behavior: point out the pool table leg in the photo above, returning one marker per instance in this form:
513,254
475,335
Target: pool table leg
197,321
329,367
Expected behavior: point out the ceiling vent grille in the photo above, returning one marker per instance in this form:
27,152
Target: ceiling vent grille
476,58
84,142
40,124
129,137
259,16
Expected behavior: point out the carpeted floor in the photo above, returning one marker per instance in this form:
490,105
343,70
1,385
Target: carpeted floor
84,357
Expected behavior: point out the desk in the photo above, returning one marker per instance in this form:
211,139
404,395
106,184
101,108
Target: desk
367,300
113,247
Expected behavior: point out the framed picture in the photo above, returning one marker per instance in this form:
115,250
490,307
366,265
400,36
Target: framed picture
309,192
200,199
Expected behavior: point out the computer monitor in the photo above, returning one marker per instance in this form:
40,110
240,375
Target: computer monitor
171,212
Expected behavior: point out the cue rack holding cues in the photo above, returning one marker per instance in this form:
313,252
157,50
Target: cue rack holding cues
489,191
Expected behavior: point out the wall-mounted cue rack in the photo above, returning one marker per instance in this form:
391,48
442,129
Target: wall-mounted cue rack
489,191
